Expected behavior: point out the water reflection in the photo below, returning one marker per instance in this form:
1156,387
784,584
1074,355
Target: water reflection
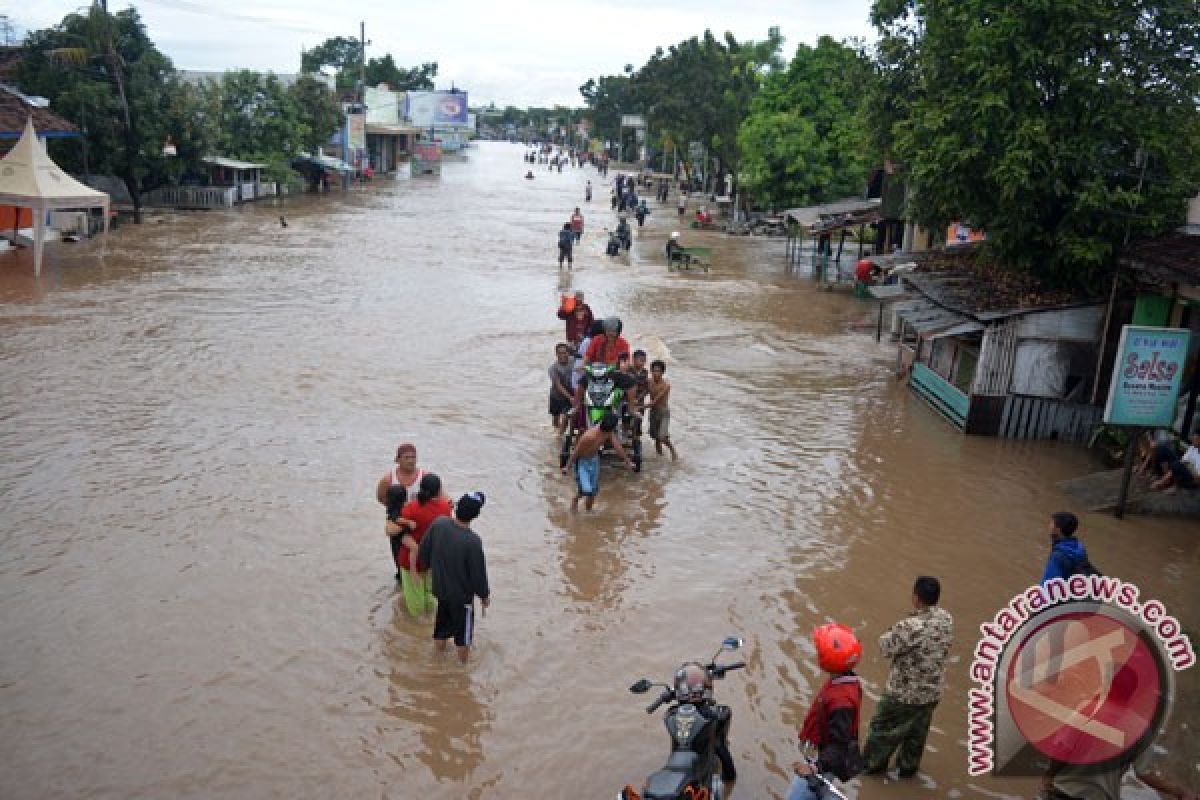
433,695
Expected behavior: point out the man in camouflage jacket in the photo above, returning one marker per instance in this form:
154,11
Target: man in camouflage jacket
919,646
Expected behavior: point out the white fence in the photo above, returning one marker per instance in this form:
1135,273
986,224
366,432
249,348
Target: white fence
192,197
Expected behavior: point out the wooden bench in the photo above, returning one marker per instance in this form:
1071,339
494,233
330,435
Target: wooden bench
939,393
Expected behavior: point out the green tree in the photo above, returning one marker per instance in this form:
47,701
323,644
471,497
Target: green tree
701,89
103,72
1059,128
318,110
607,98
384,70
343,53
804,141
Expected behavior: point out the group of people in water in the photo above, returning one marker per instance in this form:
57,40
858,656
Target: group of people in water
439,559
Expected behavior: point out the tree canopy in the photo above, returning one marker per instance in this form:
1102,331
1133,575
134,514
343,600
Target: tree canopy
344,54
102,72
698,90
804,141
1059,128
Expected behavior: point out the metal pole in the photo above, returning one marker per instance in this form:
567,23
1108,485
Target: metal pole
362,57
1127,472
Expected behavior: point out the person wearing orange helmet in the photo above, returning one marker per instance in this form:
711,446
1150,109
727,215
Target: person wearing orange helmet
831,725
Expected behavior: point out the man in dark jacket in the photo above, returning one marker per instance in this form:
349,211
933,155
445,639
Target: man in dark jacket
566,242
455,554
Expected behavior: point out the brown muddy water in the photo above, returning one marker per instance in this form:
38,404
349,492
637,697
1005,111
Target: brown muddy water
195,595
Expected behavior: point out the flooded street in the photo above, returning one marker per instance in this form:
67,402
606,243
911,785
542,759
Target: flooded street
196,597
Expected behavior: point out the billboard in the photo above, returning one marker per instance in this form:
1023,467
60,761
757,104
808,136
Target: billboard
1146,376
436,109
356,131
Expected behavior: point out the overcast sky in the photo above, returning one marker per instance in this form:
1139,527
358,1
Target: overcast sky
519,52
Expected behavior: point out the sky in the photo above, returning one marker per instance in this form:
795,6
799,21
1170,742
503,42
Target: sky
511,52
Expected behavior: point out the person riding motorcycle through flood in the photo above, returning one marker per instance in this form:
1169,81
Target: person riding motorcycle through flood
610,347
694,685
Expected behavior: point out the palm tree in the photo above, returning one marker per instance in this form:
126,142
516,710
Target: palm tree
97,53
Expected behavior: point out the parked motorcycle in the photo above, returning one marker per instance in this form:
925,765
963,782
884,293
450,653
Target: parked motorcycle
699,731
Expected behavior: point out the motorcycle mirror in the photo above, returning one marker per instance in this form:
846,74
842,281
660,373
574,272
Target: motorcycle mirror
732,643
641,687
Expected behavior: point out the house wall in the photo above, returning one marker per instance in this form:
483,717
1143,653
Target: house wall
1071,324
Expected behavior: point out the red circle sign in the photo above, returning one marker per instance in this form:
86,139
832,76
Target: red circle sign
1084,688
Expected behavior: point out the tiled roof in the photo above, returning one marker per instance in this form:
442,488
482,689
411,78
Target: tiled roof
14,109
1173,258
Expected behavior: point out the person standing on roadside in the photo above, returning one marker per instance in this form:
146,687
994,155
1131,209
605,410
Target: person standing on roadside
454,553
919,646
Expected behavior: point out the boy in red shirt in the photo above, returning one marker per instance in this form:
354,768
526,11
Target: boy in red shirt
831,725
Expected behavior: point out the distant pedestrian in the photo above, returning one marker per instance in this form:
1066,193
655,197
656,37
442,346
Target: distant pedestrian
681,204
587,192
577,224
566,240
454,553
919,646
612,200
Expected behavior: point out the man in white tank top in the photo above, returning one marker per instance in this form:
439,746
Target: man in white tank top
403,473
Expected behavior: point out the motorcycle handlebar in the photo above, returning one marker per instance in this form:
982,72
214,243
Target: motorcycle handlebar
720,670
662,698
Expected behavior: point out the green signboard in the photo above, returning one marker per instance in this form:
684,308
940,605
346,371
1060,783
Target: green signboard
1146,376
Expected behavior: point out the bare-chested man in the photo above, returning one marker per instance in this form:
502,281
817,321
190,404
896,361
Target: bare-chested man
657,400
585,459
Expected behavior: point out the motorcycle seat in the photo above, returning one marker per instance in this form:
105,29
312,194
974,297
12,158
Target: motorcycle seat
665,785
681,761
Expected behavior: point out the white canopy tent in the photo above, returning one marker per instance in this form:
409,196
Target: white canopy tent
29,179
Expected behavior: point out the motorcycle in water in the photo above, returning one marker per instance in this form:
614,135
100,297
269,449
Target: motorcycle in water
699,731
614,244
624,234
606,394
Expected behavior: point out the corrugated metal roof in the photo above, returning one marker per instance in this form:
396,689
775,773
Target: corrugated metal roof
231,163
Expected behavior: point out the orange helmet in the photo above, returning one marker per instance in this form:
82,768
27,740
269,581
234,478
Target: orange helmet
838,649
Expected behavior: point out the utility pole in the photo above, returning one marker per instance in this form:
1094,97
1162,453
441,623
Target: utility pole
362,62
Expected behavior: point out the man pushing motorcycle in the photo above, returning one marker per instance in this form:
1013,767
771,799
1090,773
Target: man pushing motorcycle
585,459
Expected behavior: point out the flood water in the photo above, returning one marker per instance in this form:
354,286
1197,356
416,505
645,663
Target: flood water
195,594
